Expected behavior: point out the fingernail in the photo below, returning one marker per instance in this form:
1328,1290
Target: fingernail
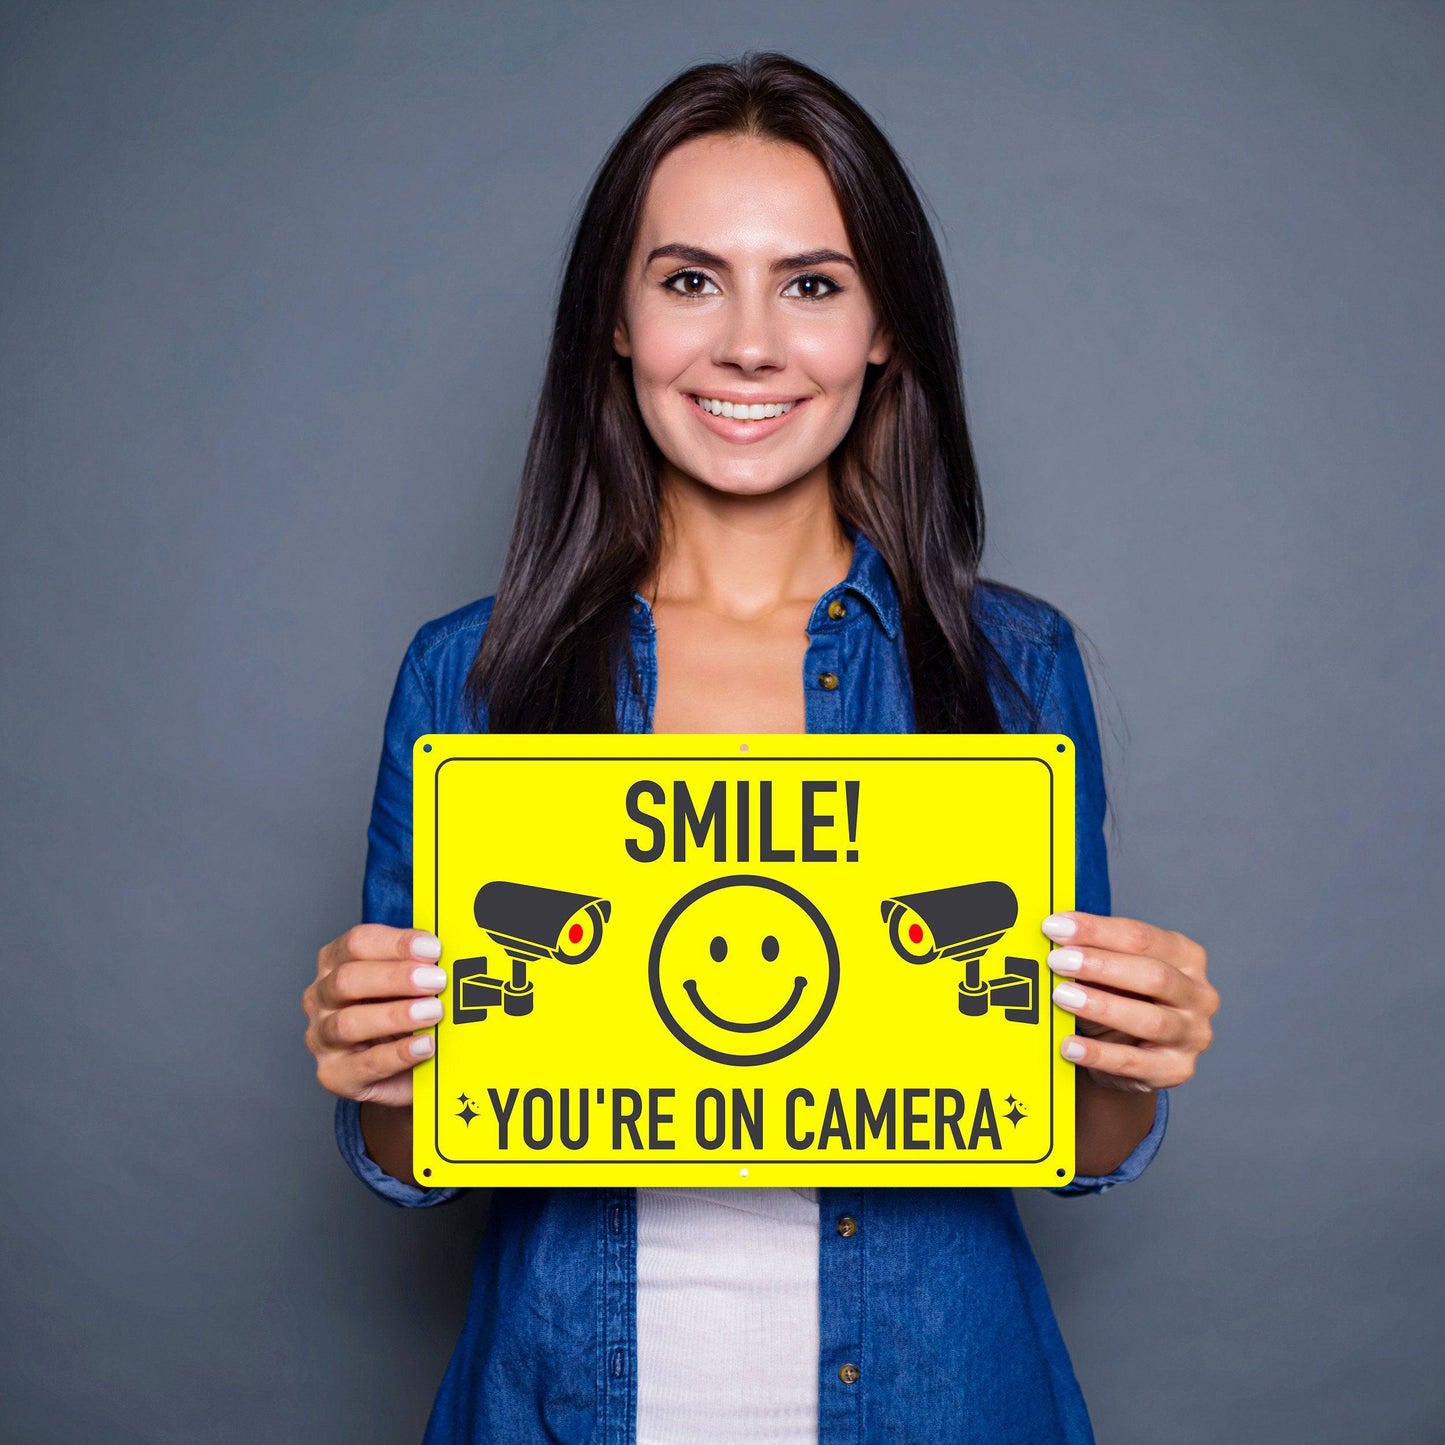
422,1045
1057,926
1070,996
1066,960
1072,1050
426,945
432,978
426,1010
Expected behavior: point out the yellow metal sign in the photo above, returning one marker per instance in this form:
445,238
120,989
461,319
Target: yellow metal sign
766,960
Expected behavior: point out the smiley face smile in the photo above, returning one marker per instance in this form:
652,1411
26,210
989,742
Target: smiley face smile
761,934
690,985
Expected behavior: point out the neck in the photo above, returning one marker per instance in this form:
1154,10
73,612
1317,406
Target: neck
744,557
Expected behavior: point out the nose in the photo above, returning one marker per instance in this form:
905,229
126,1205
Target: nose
750,333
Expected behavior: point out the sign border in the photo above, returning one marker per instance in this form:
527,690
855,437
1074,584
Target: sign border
723,1168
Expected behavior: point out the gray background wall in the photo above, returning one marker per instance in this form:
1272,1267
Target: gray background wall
275,281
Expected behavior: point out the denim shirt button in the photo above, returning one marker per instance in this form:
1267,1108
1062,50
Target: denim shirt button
827,681
847,1226
837,609
849,1374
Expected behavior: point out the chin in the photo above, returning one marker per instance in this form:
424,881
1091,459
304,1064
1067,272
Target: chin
751,486
755,481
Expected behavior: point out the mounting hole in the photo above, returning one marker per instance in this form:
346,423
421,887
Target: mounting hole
426,1173
1059,1172
426,747
742,747
743,1173
1063,748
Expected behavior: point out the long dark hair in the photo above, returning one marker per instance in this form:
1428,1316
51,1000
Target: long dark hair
587,528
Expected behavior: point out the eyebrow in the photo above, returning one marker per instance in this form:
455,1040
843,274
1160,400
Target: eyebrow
699,257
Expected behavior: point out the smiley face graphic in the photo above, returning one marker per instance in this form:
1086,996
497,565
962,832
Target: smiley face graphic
743,969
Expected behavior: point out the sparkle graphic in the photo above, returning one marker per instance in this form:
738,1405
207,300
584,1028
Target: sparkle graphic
466,1113
1010,1100
1014,1114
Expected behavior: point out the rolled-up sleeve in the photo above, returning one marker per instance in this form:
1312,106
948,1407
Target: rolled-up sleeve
386,894
1068,708
1137,1162
353,1149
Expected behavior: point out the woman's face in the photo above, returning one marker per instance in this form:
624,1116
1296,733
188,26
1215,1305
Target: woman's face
741,291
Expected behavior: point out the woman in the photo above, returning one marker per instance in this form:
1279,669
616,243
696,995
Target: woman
753,241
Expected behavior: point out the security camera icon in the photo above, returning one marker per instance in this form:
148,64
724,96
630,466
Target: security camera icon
963,923
527,923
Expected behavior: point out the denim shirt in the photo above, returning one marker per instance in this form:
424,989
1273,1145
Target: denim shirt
935,1296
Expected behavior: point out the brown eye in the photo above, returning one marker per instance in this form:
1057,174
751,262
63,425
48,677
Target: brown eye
811,282
692,283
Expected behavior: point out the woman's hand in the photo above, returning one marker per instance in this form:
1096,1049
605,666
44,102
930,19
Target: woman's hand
1142,1000
374,986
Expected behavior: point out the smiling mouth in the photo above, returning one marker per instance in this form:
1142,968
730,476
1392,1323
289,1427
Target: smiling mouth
690,985
749,428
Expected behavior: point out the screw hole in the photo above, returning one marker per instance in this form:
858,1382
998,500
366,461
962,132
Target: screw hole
1062,748
742,747
426,747
1059,1172
426,1173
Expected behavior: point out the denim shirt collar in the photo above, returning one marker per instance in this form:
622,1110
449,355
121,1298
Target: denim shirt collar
868,578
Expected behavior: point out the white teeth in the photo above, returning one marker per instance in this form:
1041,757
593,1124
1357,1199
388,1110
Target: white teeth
743,411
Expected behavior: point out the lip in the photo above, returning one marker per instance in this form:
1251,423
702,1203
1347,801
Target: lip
730,429
690,987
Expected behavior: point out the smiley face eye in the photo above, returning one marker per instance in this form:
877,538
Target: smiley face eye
770,948
718,948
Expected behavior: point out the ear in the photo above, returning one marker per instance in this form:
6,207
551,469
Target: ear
882,347
621,342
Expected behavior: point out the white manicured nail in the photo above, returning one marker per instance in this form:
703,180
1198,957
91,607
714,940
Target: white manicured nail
1069,996
1066,960
1057,926
430,978
426,1010
1073,1050
426,945
422,1045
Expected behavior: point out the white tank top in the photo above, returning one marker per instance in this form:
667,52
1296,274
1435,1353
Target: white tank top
727,1316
